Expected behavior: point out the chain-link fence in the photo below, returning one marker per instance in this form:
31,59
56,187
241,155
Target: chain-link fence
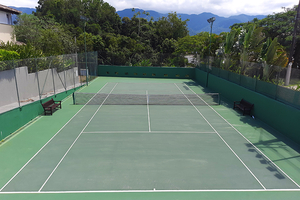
266,79
154,59
28,80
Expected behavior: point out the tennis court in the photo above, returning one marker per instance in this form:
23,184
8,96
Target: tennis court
147,138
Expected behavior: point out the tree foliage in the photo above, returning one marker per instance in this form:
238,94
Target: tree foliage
8,55
69,26
281,26
44,34
77,12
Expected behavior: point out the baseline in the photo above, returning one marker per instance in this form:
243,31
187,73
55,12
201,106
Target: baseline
153,190
75,140
18,172
256,148
224,141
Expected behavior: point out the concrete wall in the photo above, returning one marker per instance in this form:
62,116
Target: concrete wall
30,85
7,87
13,119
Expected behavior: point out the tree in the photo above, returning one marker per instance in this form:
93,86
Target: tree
273,58
228,48
171,27
56,40
44,34
251,42
78,12
28,29
169,46
278,25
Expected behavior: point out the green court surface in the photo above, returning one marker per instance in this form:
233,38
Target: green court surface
148,151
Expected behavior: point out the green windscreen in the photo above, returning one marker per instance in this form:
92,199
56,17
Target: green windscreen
145,99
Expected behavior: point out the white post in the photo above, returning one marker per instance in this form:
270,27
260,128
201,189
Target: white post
292,51
288,74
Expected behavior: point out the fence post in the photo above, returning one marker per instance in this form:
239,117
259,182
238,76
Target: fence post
74,71
52,77
240,74
277,80
207,76
86,70
17,89
37,76
63,61
255,90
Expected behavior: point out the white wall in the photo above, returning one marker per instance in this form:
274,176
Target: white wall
28,84
6,27
6,33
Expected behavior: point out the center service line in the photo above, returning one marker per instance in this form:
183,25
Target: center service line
148,110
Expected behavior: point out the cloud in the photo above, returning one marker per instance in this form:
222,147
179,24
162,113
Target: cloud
23,3
218,7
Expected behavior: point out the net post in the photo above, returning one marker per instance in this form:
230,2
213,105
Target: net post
73,95
219,99
147,97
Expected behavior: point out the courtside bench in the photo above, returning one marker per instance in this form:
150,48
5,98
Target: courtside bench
50,105
243,105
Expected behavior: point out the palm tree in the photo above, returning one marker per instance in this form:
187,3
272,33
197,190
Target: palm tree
251,44
273,58
227,49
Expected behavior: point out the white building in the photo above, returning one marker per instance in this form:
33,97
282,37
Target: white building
6,23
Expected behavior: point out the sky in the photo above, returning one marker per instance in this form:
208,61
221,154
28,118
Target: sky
223,8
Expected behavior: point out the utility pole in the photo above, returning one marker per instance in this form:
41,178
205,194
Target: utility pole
211,21
292,50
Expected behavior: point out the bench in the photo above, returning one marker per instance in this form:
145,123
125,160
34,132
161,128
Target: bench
243,105
50,105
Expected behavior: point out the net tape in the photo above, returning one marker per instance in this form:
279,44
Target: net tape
145,99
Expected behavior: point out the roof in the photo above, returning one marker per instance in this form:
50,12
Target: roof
8,9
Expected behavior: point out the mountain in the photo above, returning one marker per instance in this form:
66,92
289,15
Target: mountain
23,10
196,24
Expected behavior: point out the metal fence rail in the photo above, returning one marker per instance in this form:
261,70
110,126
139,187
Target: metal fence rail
28,80
254,76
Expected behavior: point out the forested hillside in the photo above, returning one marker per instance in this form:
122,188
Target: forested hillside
69,26
197,22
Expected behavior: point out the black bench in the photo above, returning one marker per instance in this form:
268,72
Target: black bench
50,105
243,105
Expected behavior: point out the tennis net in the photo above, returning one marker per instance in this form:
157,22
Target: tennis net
145,99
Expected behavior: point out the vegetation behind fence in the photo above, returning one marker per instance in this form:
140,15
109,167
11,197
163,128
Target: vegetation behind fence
27,80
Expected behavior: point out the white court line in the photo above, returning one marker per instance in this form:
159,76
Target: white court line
257,149
24,127
183,132
44,145
148,111
75,140
224,141
148,191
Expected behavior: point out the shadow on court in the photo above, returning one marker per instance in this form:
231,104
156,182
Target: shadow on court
192,83
264,161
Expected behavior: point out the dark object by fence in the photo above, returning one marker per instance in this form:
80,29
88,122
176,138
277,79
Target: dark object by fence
243,105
